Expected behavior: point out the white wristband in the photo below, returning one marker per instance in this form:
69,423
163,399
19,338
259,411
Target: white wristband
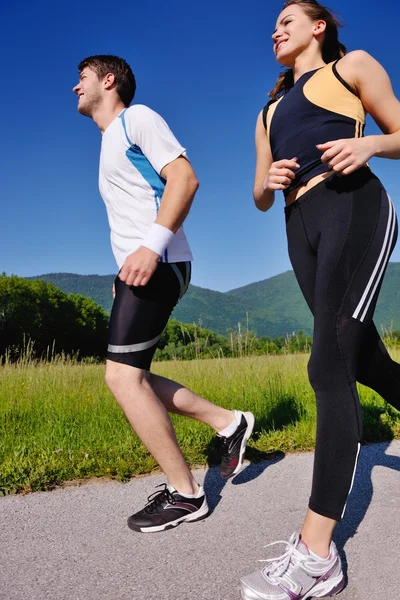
158,238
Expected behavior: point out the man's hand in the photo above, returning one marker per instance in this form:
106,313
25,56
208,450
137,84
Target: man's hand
139,267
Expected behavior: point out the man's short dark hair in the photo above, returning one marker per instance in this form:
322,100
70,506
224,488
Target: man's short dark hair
102,64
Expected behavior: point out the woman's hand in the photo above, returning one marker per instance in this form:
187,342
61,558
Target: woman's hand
280,175
346,156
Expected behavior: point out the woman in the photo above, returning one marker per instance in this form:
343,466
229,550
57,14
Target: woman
341,230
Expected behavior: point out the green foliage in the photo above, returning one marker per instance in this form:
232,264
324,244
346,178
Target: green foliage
273,307
229,323
186,342
96,287
38,312
181,341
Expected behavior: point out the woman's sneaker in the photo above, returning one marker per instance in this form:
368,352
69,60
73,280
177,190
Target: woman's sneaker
167,508
297,574
233,448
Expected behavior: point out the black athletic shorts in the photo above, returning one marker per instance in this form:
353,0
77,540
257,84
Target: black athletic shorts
139,314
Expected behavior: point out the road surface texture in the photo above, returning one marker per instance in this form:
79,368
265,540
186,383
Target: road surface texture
73,543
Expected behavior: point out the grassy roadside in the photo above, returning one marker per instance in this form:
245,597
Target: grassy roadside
59,422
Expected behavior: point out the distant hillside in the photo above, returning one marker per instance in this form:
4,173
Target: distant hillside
97,287
221,311
271,307
281,297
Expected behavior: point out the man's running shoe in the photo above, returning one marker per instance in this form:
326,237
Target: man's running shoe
297,574
167,508
233,448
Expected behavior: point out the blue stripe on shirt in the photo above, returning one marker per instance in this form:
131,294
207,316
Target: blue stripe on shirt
147,171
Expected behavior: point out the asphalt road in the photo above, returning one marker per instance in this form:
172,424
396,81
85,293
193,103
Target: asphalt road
73,543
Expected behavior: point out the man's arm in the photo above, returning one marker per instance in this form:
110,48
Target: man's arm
180,189
151,133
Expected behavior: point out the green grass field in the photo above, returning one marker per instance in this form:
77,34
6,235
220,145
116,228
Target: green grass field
59,422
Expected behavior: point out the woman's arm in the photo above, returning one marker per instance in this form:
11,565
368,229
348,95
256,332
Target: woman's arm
263,198
270,176
372,84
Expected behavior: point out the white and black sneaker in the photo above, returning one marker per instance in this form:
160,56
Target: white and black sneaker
167,508
233,448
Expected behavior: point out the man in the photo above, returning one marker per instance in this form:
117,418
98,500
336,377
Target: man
148,186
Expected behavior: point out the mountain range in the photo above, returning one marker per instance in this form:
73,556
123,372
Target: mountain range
272,307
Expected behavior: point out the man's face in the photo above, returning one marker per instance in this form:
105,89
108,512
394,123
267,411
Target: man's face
89,91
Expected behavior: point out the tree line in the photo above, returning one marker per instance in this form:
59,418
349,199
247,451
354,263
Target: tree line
48,318
55,322
187,342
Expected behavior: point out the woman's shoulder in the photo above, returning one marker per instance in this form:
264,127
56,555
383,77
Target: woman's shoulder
355,59
353,64
357,66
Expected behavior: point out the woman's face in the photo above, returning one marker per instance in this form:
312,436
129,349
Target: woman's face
293,34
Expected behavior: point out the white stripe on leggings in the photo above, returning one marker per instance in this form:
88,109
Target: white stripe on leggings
385,260
380,265
352,479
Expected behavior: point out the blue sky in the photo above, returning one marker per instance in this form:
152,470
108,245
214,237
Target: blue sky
206,67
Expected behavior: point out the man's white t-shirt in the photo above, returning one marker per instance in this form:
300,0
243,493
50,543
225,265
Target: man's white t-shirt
135,147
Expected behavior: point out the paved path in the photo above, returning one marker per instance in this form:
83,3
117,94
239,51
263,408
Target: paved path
73,544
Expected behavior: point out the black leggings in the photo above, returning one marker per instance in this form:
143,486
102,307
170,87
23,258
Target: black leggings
341,234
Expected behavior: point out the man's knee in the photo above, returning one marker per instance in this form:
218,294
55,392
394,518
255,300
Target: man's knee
120,376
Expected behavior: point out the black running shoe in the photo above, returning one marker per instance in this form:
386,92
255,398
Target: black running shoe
167,508
233,448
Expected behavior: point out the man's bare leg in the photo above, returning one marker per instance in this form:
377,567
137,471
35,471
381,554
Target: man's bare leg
149,418
180,400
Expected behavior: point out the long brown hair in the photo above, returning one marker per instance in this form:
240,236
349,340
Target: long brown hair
332,49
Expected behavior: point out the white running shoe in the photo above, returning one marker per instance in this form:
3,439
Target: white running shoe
298,574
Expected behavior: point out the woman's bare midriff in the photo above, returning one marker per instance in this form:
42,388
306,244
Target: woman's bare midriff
302,189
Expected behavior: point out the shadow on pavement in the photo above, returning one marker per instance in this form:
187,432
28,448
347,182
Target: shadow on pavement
255,469
214,483
362,492
286,411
